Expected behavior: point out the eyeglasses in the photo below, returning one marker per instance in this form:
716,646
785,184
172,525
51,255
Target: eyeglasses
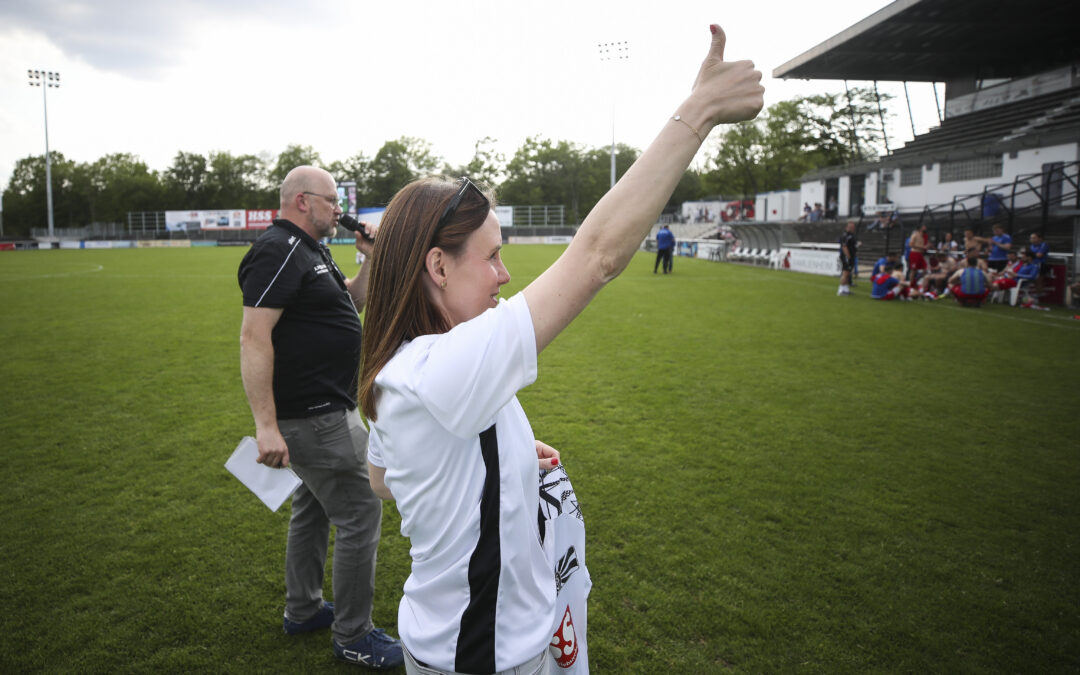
333,201
456,201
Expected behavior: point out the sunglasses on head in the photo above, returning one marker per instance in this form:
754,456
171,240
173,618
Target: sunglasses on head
456,201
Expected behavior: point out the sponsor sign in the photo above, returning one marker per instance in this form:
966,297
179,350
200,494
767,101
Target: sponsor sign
163,243
347,197
372,214
260,220
553,239
811,261
505,214
1010,92
189,221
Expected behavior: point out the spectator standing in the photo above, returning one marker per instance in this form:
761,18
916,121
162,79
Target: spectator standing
299,360
665,248
1000,244
918,242
848,244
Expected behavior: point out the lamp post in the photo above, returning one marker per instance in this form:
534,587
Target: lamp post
45,80
613,52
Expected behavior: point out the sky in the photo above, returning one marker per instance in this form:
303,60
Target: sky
155,78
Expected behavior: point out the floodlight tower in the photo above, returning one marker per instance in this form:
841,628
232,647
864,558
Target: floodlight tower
613,52
46,79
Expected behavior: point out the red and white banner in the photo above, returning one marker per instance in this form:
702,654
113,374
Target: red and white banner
260,220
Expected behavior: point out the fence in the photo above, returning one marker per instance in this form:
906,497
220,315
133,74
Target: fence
539,216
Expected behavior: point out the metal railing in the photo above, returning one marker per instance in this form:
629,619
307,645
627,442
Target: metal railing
1040,192
540,216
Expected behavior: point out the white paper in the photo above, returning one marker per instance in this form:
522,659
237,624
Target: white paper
272,486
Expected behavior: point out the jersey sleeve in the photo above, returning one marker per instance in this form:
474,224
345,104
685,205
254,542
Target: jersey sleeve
374,449
269,275
469,373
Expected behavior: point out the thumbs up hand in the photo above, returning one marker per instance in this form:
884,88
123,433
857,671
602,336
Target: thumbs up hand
730,91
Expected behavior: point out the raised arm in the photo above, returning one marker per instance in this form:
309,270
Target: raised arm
724,91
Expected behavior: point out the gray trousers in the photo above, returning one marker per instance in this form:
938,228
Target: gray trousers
329,453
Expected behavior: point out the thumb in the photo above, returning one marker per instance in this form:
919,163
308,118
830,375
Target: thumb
719,40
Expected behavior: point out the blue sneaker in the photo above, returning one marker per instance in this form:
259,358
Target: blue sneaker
374,650
322,619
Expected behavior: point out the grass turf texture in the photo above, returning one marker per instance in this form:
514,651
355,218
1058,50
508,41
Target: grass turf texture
774,479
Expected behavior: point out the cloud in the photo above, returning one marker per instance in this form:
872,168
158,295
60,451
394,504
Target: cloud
138,39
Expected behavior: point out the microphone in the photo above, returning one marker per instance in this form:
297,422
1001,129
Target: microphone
354,225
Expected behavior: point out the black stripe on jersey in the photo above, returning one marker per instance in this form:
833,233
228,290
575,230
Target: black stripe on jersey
476,635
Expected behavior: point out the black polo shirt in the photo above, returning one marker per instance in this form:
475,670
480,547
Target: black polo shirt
847,239
317,339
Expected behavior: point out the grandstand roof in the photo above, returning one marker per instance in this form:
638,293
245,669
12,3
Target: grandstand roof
942,40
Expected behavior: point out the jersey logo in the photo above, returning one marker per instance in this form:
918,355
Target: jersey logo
564,644
292,239
565,568
556,498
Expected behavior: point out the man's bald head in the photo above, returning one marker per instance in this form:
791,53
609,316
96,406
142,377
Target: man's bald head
309,199
305,179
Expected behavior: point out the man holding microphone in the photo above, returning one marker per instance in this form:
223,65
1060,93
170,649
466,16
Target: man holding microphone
299,360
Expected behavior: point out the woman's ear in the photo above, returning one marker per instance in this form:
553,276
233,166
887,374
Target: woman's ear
435,266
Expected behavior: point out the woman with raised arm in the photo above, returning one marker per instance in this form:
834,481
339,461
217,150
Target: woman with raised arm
443,360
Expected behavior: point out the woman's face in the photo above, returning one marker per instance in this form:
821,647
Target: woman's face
473,278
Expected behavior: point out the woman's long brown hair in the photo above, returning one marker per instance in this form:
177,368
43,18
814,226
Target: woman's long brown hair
398,308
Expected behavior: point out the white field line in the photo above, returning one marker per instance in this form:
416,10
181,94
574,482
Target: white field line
97,268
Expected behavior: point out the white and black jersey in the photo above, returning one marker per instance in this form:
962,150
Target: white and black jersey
317,339
460,460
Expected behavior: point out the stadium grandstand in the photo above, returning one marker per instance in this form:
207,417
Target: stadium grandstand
1006,149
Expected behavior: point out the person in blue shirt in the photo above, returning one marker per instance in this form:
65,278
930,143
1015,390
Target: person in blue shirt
1029,270
1000,244
887,259
969,284
1040,250
665,248
888,286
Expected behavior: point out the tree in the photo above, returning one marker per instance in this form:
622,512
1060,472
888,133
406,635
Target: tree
562,173
114,185
487,166
185,181
290,158
846,128
238,182
396,164
25,201
793,138
357,169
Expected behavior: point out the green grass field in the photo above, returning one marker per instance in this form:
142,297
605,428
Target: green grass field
774,479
